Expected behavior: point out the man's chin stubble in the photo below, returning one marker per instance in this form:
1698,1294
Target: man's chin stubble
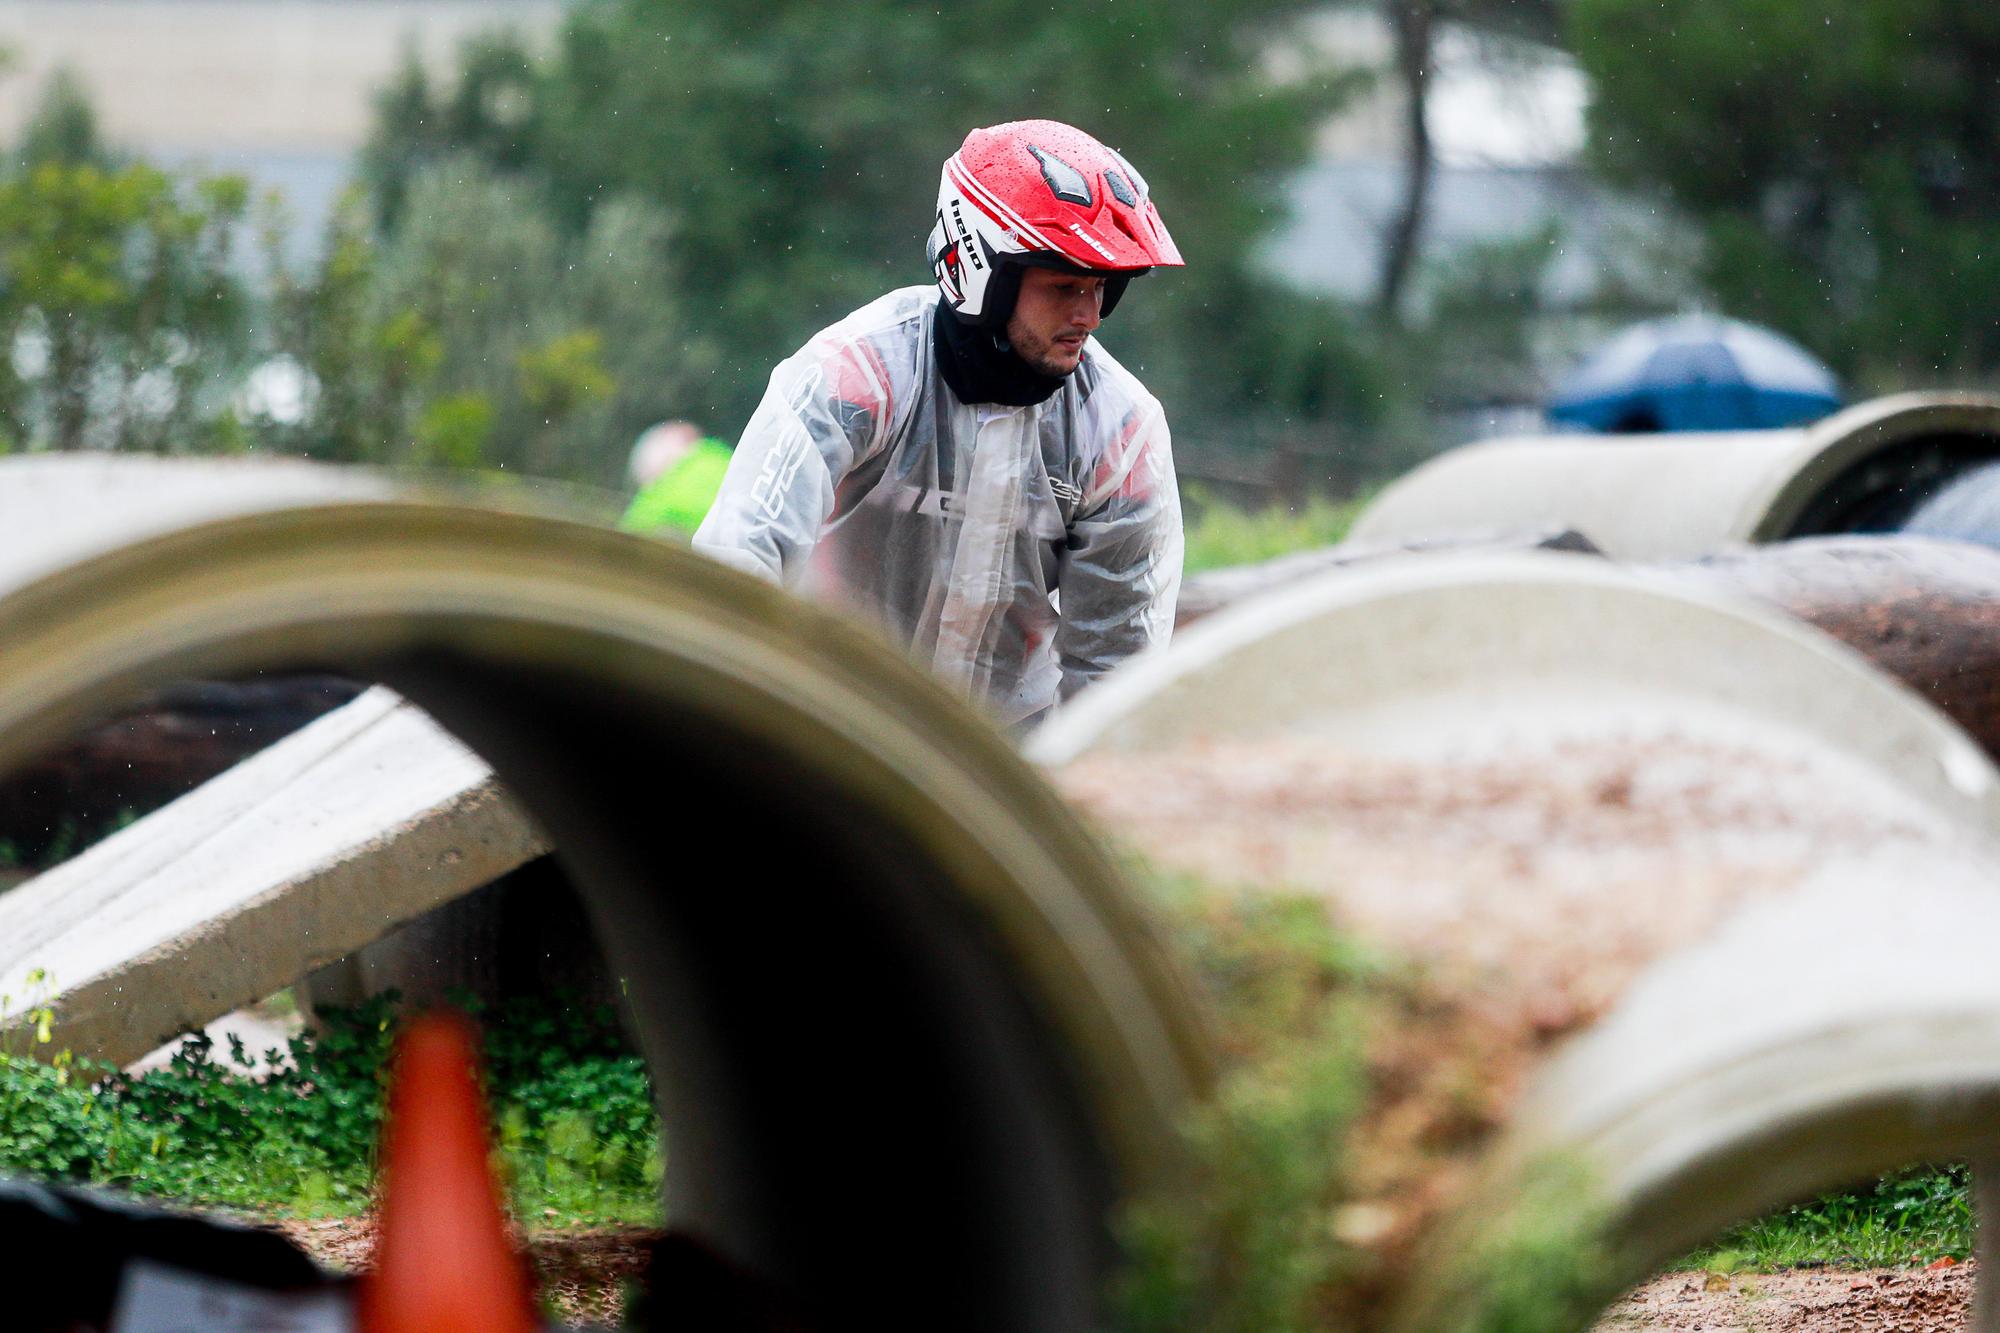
1043,365
1055,369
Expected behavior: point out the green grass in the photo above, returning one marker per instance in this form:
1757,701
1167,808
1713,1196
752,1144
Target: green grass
1220,534
1909,1217
578,1138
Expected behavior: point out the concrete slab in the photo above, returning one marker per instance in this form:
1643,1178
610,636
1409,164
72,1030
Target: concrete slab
321,844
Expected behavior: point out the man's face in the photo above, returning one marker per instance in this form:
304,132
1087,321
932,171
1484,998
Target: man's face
1055,313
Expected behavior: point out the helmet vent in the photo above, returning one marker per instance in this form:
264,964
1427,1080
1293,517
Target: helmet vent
1065,181
1121,189
1130,227
1132,178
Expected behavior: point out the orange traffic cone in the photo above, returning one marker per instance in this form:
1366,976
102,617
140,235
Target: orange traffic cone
443,1260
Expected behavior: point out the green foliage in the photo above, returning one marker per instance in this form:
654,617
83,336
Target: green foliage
119,306
490,112
578,1135
564,373
452,431
598,1158
1251,1240
1542,1263
45,1129
1248,1245
509,344
798,161
1220,534
1479,322
63,128
43,1125
1907,1217
1843,159
577,1123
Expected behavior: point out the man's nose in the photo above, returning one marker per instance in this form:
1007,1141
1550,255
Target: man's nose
1088,311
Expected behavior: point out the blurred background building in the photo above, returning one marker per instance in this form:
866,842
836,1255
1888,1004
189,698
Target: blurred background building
281,91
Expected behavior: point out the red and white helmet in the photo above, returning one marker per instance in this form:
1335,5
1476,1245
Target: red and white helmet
1038,193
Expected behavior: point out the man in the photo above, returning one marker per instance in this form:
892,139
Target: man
964,461
678,472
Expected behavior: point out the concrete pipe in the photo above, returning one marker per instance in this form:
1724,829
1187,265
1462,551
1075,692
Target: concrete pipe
1652,497
1608,817
1821,1038
1923,610
912,1038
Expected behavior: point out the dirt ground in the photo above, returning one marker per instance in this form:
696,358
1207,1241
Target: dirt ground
1547,878
1931,1300
584,1275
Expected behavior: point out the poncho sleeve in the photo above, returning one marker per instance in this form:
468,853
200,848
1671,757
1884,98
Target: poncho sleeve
1120,569
826,410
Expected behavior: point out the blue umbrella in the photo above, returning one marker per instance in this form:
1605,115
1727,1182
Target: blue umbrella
1695,372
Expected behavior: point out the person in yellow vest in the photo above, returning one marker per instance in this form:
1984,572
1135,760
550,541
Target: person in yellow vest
678,471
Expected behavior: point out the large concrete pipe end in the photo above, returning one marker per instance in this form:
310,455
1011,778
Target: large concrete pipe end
1661,497
1821,1039
1637,843
911,1038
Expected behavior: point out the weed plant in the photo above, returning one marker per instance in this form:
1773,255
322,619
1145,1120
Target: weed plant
578,1138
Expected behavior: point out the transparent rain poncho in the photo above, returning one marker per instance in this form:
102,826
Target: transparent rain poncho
1019,552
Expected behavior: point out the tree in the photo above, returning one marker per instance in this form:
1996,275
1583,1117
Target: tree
796,158
120,309
503,344
1412,25
63,127
1842,159
491,111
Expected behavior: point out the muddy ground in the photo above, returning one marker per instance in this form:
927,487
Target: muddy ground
585,1274
1932,1300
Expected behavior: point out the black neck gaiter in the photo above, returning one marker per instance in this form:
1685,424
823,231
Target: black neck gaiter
981,368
